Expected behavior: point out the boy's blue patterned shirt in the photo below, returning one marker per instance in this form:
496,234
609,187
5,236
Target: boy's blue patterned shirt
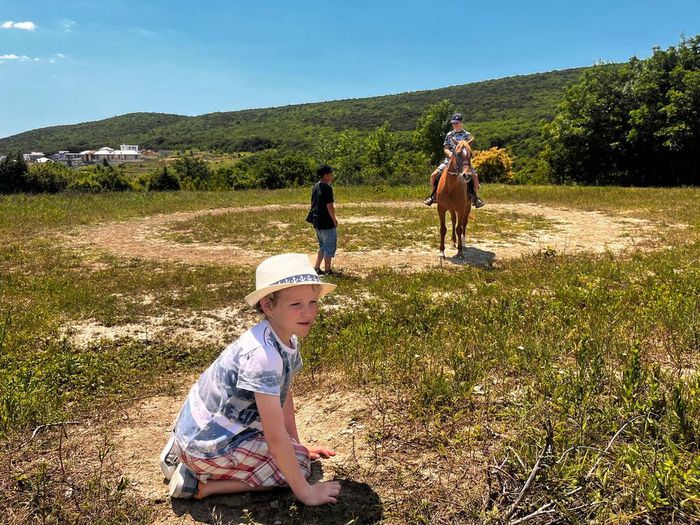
220,410
453,137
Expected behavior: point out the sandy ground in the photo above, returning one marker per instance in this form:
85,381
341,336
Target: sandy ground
575,231
324,417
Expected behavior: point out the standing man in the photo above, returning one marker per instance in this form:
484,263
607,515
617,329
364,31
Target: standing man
322,216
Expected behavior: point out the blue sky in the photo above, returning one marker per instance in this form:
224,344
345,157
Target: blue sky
71,61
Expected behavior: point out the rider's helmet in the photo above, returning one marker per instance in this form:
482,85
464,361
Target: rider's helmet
457,117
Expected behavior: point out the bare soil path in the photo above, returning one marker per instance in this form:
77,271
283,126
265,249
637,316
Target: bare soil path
324,417
575,231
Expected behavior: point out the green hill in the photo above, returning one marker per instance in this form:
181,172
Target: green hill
504,112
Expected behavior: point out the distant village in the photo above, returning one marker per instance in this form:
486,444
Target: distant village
125,153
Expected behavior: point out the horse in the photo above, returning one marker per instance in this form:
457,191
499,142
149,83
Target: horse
452,196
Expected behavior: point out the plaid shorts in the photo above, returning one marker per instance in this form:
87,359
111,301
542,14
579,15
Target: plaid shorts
251,463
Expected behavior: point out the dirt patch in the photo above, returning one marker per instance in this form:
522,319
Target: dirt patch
211,327
324,417
575,231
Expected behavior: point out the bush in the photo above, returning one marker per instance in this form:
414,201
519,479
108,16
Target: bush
96,179
50,177
270,169
163,180
493,165
194,174
13,172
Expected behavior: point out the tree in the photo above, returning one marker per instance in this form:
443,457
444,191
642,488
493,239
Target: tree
379,147
432,127
194,174
13,174
633,123
163,180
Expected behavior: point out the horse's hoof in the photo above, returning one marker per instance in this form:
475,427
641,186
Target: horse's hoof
441,255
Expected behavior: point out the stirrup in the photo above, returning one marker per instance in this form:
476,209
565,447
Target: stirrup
429,201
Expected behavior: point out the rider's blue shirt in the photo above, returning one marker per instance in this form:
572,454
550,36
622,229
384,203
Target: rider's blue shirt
453,137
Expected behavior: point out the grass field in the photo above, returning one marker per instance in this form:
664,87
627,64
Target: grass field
577,370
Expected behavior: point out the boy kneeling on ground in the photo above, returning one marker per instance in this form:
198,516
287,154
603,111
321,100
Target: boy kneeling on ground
236,431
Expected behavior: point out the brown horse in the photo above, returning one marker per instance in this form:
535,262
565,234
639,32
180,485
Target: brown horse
452,197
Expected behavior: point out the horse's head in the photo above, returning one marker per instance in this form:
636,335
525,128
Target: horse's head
462,157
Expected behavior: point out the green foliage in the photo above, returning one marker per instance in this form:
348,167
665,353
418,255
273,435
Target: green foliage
493,165
96,179
271,169
50,177
432,127
504,112
636,123
163,180
193,173
13,174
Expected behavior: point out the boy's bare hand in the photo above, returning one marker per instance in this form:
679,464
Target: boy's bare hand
320,452
321,494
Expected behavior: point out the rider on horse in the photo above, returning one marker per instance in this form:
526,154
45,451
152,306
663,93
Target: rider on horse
457,134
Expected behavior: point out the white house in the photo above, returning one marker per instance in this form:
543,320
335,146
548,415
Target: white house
125,153
68,159
33,156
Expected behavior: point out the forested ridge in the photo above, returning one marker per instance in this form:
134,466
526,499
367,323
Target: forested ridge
504,112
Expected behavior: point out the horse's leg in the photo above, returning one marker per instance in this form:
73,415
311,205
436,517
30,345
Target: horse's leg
443,231
454,221
466,223
460,234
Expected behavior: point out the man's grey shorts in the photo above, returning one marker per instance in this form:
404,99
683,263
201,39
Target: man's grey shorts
327,241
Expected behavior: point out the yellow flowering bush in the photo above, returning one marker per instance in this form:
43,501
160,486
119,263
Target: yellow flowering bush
493,165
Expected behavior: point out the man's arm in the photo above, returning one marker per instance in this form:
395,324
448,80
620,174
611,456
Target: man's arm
331,212
280,445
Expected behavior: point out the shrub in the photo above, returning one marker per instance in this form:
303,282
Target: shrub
163,180
194,174
493,165
13,171
270,169
50,177
96,179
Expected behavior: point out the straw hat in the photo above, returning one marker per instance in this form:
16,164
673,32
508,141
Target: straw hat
284,271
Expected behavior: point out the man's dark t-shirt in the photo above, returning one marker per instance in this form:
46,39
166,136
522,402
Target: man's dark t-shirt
321,196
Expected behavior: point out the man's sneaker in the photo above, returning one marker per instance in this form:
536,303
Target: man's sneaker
429,200
319,271
478,203
183,484
169,459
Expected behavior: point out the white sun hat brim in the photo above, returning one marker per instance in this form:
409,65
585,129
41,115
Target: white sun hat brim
285,271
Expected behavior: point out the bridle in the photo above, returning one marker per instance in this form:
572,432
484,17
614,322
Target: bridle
460,166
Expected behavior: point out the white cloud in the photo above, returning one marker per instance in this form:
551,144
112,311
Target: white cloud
67,24
25,26
12,56
56,57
